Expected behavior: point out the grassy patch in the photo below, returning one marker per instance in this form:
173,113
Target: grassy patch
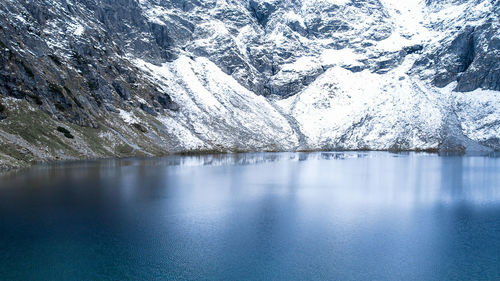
15,152
124,149
41,132
93,140
35,127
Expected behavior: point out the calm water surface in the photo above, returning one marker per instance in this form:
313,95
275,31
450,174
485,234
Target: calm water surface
264,216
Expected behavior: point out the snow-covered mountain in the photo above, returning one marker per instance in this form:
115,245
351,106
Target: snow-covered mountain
101,78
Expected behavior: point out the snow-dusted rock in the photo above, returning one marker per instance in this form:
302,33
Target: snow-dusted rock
220,112
146,77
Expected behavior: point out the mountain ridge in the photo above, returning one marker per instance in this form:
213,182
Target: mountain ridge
143,78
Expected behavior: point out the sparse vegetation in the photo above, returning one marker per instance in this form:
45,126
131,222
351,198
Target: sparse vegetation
3,111
28,70
36,98
60,107
56,89
38,129
124,149
55,59
75,100
97,99
65,131
68,91
140,127
79,59
92,85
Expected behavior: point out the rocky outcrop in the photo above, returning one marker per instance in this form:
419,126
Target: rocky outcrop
470,55
472,60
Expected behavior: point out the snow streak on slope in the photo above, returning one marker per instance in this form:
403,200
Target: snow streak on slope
221,113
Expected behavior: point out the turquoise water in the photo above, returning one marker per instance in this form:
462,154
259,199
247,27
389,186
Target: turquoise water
263,216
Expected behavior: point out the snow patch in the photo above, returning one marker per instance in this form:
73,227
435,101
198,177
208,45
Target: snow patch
342,57
79,30
128,117
339,112
479,114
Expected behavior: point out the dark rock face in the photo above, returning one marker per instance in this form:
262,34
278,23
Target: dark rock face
121,89
472,59
452,144
262,10
459,56
167,102
76,75
484,57
147,109
413,49
3,111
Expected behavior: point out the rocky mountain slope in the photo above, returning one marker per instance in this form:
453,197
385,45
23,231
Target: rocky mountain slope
106,78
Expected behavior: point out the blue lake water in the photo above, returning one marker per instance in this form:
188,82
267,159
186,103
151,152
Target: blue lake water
262,216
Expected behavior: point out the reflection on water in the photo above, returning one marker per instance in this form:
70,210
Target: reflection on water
280,216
